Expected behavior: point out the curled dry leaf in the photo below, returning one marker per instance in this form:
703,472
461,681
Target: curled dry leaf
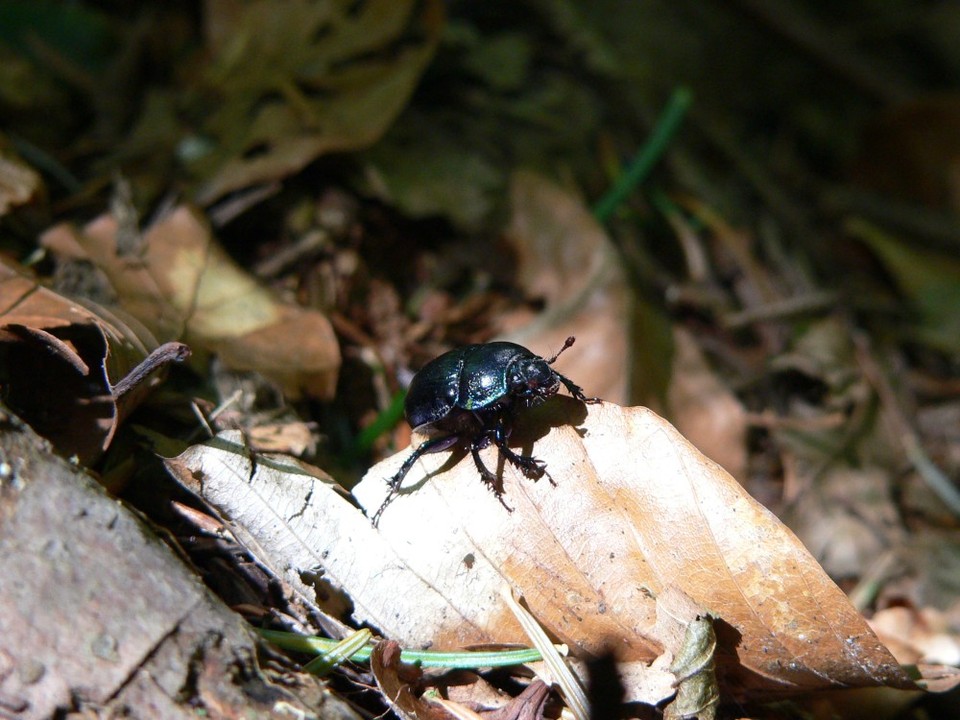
636,511
565,259
73,372
397,682
184,284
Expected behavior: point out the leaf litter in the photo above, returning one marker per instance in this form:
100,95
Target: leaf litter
796,332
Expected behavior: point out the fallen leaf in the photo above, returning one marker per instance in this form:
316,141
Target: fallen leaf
636,510
397,682
704,409
528,705
916,636
929,280
290,81
184,284
63,365
565,259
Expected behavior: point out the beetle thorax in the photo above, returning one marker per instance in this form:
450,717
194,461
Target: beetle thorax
532,380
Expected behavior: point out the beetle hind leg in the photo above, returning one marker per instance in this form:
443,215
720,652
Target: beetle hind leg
434,445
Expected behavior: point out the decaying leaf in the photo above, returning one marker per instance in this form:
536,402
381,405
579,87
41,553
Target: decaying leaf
295,80
635,511
704,409
69,369
183,284
566,260
697,692
397,683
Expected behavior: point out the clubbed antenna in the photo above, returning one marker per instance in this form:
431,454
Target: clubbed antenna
569,341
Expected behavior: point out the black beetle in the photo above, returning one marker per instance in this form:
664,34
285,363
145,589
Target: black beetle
470,395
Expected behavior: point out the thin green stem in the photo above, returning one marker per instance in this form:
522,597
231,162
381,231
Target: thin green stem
381,424
424,658
644,161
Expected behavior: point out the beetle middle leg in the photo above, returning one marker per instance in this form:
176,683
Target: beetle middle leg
527,464
489,479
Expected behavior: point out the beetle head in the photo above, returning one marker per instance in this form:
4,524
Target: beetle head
532,380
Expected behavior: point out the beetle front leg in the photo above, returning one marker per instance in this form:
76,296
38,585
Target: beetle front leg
577,391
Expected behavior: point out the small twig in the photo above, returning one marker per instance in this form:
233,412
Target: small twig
779,309
171,352
933,476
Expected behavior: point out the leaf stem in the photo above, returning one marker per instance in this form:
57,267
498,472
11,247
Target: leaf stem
425,658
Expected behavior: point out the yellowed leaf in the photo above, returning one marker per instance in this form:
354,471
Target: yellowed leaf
183,284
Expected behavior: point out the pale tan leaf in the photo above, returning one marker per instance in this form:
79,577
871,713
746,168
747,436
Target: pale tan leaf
636,509
637,514
184,284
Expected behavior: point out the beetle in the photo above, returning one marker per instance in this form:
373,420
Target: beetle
470,396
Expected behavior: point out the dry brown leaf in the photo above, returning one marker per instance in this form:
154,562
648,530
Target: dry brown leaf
397,682
184,284
636,509
704,409
296,80
565,259
63,364
637,513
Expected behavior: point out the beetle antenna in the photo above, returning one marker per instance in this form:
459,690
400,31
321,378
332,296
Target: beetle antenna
567,343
